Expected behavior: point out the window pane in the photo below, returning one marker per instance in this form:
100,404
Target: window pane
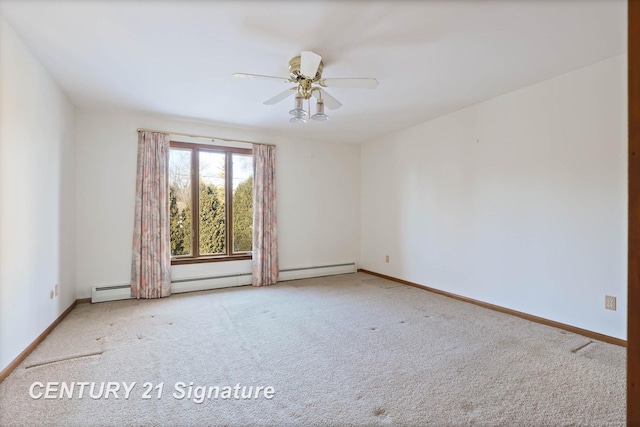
242,173
212,207
180,201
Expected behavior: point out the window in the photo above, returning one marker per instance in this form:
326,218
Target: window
210,203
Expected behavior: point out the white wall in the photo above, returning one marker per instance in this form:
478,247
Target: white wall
37,203
519,201
317,184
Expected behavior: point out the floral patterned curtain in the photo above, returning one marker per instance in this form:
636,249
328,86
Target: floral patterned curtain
151,263
265,239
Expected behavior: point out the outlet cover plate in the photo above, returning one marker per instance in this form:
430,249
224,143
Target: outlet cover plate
610,302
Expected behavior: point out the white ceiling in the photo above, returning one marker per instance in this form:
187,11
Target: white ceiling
431,57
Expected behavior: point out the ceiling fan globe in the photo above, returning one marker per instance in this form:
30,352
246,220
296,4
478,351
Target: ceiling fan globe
298,110
320,115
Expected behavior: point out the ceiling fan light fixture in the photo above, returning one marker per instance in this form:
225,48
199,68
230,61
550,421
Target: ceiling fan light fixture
305,72
298,111
320,115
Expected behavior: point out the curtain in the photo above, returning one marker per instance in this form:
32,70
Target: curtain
265,240
151,262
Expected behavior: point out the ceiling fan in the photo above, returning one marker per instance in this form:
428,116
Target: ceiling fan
305,72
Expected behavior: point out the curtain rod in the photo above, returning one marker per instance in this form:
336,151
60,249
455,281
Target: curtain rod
203,136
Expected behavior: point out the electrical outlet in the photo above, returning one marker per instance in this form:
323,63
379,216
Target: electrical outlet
57,289
386,258
51,294
609,302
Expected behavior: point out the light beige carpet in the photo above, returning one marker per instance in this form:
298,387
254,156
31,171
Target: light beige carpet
343,350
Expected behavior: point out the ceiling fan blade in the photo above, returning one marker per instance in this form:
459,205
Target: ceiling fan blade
329,101
279,97
258,76
309,63
363,83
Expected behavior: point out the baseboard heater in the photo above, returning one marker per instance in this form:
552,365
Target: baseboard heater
121,292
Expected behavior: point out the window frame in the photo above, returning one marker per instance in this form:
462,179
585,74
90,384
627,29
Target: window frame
195,257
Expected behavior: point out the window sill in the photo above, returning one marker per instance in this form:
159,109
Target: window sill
221,258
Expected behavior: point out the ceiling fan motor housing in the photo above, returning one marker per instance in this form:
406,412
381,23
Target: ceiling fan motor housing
294,71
